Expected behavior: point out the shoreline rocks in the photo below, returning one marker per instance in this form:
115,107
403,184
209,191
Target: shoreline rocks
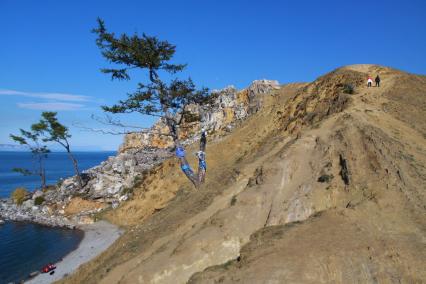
106,185
34,214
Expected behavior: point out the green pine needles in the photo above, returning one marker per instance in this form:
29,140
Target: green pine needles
155,97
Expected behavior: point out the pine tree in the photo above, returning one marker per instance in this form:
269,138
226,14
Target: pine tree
167,100
32,140
54,131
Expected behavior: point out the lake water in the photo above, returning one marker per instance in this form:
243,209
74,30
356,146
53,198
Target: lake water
26,247
58,166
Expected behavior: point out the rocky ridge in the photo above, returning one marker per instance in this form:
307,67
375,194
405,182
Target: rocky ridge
229,108
110,183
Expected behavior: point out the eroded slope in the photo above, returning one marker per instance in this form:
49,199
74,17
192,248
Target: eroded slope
346,169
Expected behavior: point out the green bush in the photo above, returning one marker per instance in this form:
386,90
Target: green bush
233,200
127,190
38,200
19,194
348,89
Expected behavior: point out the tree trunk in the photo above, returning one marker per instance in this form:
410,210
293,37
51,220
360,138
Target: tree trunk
186,168
42,172
75,165
43,180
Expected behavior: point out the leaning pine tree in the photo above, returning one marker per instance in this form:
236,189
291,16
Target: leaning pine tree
54,131
167,100
32,140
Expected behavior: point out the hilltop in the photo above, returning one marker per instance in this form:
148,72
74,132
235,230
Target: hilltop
324,182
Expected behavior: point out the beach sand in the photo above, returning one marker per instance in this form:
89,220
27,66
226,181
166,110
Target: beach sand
97,238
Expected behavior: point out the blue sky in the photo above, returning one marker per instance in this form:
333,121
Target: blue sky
49,60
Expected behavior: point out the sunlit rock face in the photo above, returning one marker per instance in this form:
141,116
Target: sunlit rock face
229,107
109,182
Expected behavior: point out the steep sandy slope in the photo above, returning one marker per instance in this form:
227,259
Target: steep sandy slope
318,187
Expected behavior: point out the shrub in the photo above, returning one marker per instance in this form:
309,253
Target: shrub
59,183
191,117
325,178
348,89
19,194
38,200
233,200
127,190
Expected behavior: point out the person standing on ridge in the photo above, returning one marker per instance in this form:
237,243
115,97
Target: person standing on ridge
377,81
369,81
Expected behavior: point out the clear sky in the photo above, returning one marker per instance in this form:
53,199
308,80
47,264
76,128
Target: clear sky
49,60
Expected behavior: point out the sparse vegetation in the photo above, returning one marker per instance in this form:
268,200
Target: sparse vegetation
127,190
191,117
325,178
138,179
38,200
233,200
19,194
33,141
59,182
348,89
54,131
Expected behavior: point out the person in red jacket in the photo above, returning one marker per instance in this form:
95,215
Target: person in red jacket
369,81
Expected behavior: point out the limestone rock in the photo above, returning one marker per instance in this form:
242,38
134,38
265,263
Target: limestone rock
37,193
229,107
258,88
28,204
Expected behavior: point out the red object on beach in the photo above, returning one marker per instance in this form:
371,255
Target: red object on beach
47,268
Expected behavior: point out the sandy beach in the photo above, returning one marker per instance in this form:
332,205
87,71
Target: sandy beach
97,238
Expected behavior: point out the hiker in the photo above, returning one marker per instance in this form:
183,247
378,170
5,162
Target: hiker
202,167
369,81
377,81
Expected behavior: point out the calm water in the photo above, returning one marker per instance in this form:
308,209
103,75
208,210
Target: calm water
26,247
58,166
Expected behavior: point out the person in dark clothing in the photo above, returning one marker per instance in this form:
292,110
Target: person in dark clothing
377,81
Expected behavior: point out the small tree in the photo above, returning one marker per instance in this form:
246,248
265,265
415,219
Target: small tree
54,131
167,100
33,141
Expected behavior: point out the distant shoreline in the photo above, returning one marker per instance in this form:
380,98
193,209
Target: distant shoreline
58,167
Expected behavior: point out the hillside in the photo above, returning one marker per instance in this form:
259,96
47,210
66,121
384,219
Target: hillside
318,186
